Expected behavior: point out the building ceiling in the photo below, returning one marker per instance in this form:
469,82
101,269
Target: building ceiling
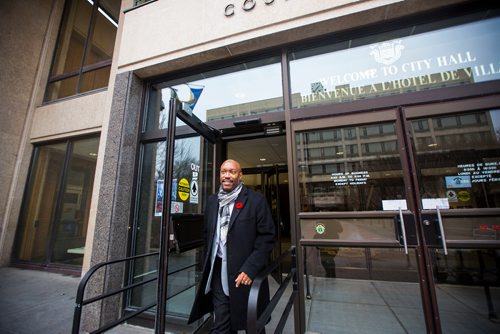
260,152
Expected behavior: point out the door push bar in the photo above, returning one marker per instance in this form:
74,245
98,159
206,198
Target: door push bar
403,230
441,228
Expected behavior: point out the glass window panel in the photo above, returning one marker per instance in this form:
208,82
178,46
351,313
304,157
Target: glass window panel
40,202
72,221
314,153
73,41
331,134
370,276
314,137
62,88
420,125
72,37
244,89
55,211
331,151
361,229
333,168
95,79
193,165
460,165
351,150
396,62
471,276
149,211
316,169
102,43
351,180
350,133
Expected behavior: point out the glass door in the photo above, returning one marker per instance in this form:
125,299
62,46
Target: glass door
399,218
457,160
352,193
176,177
265,170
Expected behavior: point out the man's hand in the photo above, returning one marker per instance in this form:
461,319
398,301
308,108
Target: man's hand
243,279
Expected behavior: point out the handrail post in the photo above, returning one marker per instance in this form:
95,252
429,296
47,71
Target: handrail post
308,291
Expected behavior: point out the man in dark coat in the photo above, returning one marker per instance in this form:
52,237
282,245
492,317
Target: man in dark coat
239,237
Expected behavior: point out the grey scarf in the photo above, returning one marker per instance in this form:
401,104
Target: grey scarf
225,200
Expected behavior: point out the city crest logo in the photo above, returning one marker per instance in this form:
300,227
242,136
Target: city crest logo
387,52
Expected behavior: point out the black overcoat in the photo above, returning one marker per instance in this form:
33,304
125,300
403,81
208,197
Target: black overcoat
250,240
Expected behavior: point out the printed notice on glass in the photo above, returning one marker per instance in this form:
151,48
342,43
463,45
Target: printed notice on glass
350,178
159,198
394,205
433,203
481,172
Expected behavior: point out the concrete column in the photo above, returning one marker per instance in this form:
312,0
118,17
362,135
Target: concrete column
115,199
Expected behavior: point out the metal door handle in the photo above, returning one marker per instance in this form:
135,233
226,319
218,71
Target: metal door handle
403,230
441,228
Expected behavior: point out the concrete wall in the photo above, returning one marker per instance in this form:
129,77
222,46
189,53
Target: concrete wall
24,25
166,35
28,35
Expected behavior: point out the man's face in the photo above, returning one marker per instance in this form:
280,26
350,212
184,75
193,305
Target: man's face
230,175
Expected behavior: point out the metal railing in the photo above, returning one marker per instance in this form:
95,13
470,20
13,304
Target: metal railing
80,302
256,323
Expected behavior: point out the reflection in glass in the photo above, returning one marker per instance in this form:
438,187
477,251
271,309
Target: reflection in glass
54,219
193,166
349,169
407,60
458,159
467,289
94,79
40,201
100,46
360,229
72,220
74,29
355,290
70,73
240,90
62,88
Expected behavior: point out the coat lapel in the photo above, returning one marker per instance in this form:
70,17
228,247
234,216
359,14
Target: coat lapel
212,219
239,205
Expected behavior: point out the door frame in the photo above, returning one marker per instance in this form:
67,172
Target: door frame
401,116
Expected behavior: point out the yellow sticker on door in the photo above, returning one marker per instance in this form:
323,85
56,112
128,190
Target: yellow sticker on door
463,196
183,189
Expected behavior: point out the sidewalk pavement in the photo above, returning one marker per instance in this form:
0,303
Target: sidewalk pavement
36,301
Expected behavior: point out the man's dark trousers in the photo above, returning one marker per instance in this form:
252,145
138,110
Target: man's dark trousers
222,318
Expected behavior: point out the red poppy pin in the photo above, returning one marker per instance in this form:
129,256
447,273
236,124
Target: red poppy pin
239,205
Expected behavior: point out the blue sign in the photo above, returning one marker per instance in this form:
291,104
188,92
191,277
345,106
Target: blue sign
458,181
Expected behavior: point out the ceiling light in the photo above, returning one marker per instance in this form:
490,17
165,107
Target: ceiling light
262,159
432,145
109,18
272,130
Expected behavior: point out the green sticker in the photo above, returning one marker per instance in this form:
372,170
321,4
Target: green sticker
320,228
